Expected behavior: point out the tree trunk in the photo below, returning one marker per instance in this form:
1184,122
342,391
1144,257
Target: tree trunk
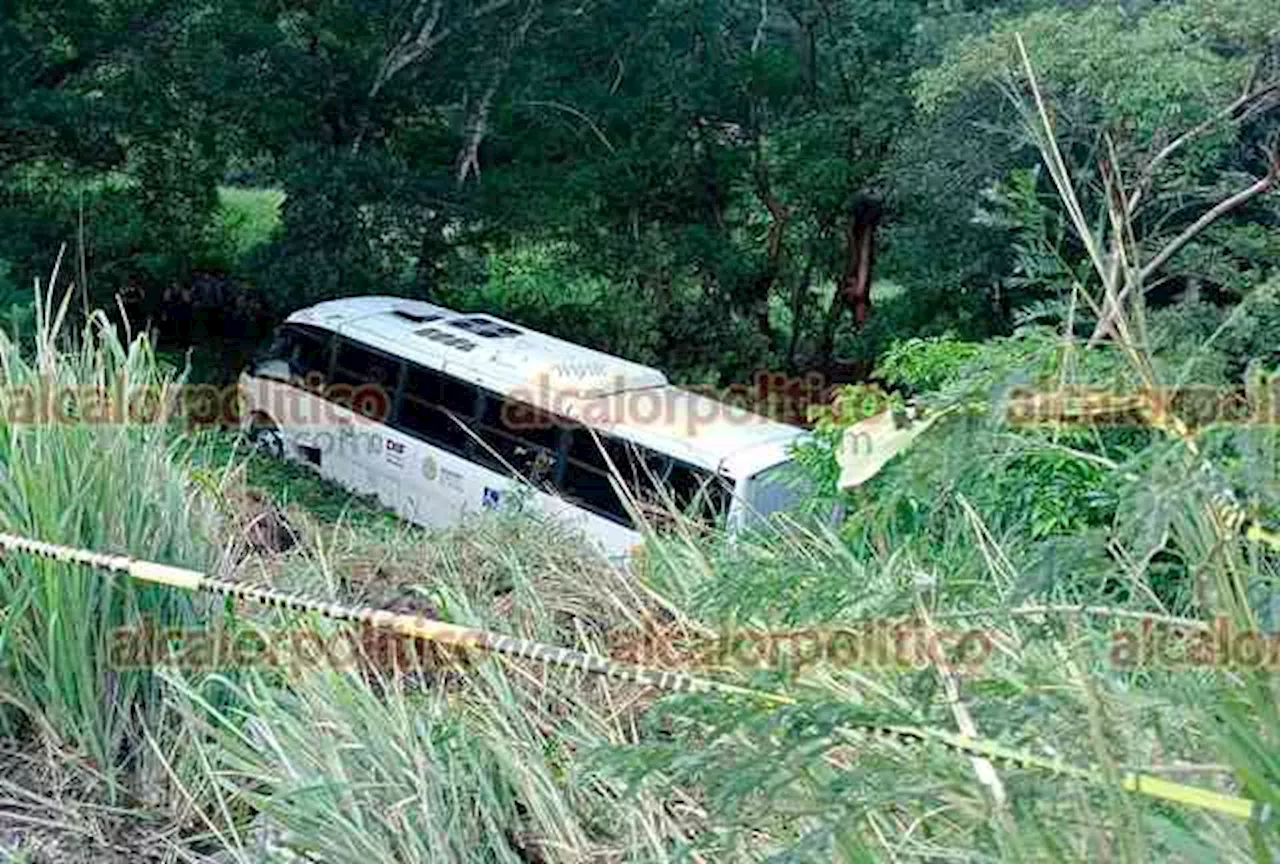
431,249
799,298
853,291
762,285
826,345
860,241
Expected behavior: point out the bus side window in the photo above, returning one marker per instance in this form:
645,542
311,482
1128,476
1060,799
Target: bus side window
587,481
518,437
310,352
428,401
585,448
360,368
645,473
304,351
699,493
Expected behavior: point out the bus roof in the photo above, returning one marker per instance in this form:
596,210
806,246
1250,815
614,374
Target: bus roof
625,399
498,354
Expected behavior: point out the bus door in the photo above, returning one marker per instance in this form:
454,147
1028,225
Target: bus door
428,450
363,389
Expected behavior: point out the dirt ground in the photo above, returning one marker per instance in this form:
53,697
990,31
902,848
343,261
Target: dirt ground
51,811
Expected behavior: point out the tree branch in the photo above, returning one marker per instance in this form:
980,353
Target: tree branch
1237,112
758,39
411,46
779,218
779,213
420,40
1214,213
569,109
478,124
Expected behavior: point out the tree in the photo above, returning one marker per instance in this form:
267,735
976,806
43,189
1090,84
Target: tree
1176,97
722,158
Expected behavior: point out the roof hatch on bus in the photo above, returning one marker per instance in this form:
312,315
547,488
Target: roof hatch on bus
415,316
484,327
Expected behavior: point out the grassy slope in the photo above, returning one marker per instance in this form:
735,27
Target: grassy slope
288,485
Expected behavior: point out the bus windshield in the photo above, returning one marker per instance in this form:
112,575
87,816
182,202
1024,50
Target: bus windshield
779,488
293,351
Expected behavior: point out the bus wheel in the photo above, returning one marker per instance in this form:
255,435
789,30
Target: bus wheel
266,438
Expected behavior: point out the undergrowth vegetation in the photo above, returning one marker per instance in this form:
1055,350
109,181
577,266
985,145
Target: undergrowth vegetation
1100,592
60,478
361,755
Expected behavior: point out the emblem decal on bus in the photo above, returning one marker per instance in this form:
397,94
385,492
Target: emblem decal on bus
491,498
429,468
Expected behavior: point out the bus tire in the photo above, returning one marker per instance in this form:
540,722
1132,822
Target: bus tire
265,436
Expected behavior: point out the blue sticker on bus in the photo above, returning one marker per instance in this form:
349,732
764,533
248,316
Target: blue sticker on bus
491,498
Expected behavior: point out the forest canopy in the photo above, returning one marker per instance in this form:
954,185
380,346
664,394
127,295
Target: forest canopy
715,186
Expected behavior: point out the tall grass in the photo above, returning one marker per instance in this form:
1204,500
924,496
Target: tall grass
106,485
467,759
799,783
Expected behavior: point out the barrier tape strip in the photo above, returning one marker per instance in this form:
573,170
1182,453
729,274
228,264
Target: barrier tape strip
412,626
427,629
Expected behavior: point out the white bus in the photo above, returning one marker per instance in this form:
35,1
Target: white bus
440,413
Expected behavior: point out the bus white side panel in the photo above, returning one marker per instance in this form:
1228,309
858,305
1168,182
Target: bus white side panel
423,484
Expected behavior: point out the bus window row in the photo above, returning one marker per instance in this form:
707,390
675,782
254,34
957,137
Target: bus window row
552,453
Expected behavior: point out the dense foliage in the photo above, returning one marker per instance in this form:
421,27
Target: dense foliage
718,186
